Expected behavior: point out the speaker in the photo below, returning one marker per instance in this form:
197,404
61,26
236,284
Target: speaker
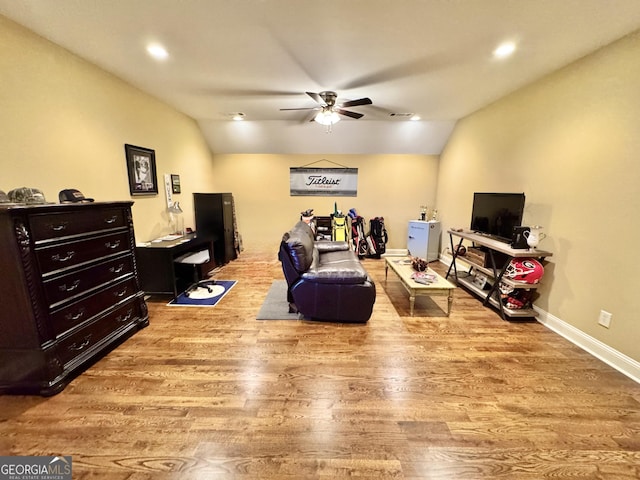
518,239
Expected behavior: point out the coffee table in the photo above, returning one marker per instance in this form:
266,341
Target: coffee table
401,266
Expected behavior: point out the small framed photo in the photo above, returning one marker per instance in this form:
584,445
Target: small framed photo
175,183
141,167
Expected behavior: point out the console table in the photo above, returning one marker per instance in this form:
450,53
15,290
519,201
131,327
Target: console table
156,261
499,255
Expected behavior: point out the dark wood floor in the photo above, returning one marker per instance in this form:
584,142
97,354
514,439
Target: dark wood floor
212,393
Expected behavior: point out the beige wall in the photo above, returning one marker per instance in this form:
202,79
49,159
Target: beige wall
64,123
390,186
571,143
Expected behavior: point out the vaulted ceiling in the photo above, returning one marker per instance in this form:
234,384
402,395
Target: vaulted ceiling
432,58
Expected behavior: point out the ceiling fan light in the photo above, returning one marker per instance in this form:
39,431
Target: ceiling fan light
327,117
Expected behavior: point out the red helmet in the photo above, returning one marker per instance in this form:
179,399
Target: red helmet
527,270
518,299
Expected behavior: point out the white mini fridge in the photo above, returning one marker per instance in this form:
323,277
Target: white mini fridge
423,239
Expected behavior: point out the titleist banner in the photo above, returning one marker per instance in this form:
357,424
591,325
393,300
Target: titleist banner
324,181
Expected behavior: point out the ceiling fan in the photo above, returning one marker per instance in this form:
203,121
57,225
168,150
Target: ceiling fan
328,112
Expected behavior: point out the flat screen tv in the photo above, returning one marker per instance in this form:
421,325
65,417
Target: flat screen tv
495,214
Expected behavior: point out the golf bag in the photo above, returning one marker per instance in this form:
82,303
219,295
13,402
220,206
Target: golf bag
360,245
309,218
339,230
377,238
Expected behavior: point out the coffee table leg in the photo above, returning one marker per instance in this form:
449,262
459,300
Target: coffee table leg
449,302
412,302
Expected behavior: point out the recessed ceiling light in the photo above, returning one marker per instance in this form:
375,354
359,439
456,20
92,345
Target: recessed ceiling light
415,118
504,50
157,51
237,116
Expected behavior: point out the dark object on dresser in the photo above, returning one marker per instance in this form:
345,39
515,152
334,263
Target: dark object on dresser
325,279
70,291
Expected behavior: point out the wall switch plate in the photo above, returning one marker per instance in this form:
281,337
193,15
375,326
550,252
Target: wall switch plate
605,319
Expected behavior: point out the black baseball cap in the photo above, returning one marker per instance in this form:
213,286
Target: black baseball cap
71,195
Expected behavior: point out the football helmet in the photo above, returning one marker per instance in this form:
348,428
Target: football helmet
505,289
518,299
528,270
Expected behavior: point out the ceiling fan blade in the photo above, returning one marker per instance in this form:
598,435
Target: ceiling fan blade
348,113
307,108
355,103
317,98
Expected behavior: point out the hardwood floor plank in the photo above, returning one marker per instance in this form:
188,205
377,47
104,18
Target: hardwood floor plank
214,393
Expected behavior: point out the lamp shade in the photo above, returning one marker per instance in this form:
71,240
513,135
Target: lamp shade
327,117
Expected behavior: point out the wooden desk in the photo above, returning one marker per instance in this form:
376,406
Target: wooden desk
156,261
401,266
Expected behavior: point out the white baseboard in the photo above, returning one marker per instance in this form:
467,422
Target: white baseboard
624,364
615,359
395,252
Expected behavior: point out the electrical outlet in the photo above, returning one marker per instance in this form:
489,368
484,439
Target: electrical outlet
605,319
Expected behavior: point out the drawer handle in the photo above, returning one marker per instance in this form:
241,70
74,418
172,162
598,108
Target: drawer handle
121,293
112,246
75,316
83,345
117,269
58,258
59,227
110,220
124,318
74,285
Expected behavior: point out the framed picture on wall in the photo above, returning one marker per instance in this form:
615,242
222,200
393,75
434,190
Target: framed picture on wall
175,183
141,167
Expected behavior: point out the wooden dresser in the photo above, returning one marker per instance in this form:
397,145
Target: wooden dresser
69,291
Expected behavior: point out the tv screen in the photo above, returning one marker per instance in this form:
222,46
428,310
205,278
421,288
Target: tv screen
495,214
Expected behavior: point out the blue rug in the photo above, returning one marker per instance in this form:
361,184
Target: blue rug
201,297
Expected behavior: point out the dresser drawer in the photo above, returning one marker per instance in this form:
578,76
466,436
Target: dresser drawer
69,316
95,332
79,282
68,254
57,225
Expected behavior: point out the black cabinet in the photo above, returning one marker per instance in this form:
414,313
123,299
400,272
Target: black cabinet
215,217
323,228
